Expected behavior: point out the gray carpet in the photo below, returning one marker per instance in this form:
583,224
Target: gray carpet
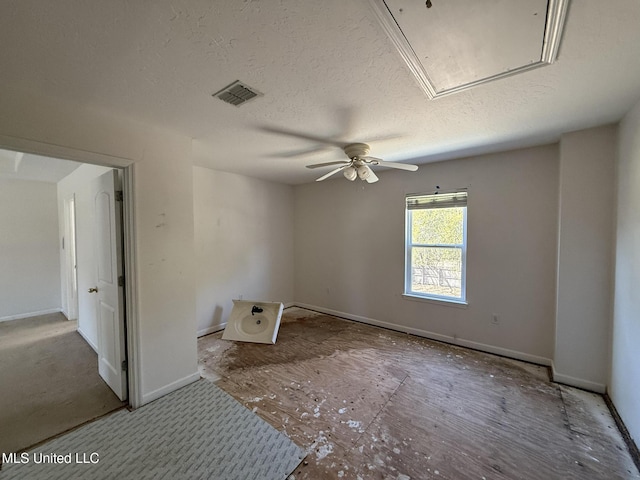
197,432
49,381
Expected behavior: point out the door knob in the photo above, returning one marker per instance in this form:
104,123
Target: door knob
93,290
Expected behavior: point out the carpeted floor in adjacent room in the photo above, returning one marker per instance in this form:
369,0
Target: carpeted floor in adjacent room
49,381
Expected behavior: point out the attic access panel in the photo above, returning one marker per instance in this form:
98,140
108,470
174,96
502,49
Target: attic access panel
458,44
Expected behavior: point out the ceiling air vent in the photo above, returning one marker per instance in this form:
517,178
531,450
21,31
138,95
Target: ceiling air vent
237,93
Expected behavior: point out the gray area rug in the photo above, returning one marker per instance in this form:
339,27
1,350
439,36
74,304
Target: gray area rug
197,432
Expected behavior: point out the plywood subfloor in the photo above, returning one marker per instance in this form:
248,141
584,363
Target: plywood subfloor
369,403
49,381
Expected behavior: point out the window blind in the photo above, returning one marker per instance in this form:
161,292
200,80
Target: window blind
437,200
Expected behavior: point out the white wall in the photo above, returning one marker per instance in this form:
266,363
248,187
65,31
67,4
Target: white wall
349,251
244,243
29,264
78,183
583,316
625,365
163,203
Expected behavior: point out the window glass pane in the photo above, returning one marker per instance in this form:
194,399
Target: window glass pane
437,226
436,271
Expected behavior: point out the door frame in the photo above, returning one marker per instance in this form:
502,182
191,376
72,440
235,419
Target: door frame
132,318
127,165
70,307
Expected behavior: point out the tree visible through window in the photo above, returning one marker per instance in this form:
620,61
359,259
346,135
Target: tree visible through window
436,246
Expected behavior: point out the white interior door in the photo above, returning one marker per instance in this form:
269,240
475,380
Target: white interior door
110,281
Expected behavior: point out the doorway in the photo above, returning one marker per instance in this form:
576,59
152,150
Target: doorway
30,334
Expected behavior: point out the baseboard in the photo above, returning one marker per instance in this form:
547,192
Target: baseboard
86,339
577,382
30,314
504,352
213,329
173,386
631,445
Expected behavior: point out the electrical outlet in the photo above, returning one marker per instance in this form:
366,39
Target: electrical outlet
495,320
240,297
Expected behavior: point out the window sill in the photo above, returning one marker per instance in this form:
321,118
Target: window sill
447,303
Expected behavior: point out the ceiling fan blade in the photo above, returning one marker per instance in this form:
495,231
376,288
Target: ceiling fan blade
326,164
304,136
372,177
383,163
400,166
332,172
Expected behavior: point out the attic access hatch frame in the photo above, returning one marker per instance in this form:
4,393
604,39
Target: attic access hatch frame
554,24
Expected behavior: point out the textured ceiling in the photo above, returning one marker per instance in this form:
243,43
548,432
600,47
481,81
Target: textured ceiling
325,68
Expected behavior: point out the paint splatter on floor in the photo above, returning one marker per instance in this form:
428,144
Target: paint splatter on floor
373,404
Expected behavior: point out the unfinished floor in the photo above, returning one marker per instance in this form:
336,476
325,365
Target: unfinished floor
49,381
369,403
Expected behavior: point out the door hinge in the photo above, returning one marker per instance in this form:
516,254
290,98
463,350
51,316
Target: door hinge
125,365
121,281
119,196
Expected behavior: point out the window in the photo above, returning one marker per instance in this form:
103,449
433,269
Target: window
436,246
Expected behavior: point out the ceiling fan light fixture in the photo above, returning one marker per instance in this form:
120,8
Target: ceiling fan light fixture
364,172
350,173
358,163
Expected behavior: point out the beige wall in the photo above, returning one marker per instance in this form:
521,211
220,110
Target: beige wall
625,364
29,264
243,242
349,251
585,252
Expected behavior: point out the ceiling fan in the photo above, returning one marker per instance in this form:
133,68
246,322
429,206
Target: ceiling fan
359,163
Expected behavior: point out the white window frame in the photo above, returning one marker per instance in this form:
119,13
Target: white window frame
426,202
